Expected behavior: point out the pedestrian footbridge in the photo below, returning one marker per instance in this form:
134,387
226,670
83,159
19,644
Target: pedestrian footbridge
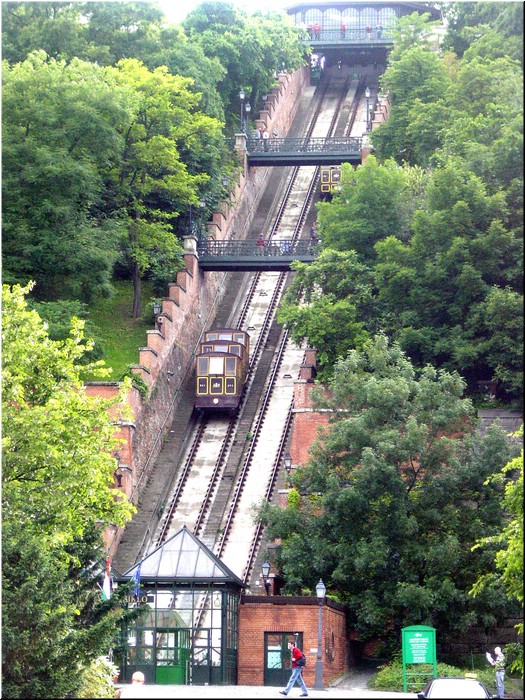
304,150
248,256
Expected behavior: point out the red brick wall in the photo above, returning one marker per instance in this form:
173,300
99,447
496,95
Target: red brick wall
306,423
260,614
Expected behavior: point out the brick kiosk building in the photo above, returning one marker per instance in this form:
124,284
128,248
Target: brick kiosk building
267,623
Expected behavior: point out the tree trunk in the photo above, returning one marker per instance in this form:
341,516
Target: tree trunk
137,307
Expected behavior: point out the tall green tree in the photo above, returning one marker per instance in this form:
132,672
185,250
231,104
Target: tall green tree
508,542
92,31
52,27
336,301
416,84
62,133
393,498
58,494
366,210
470,23
439,289
251,49
153,183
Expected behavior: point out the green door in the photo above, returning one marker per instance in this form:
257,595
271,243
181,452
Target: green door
172,656
277,656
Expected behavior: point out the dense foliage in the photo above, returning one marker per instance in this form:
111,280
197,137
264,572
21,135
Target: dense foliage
416,299
57,497
509,543
115,129
435,218
393,499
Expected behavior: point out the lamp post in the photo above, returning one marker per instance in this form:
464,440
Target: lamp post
120,468
247,109
157,308
287,459
242,95
265,568
320,590
195,226
367,95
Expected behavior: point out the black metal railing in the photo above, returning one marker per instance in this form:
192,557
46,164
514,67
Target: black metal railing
251,248
348,35
334,144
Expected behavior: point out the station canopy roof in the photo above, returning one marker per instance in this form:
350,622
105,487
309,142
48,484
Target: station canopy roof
183,559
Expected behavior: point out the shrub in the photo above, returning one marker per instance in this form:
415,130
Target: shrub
97,680
390,676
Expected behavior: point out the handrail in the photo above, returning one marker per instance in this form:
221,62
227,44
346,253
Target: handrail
250,248
358,35
328,144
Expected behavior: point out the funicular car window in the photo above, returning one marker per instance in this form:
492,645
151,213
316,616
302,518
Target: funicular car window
216,365
221,347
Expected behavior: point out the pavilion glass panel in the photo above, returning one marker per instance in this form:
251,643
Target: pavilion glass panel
209,618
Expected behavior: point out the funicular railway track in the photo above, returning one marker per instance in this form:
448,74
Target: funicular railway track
223,473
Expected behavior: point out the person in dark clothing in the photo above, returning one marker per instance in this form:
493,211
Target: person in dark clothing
297,672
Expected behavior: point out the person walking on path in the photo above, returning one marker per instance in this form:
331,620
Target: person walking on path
297,671
498,661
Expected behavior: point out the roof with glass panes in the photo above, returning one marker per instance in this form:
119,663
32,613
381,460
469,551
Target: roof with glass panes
183,559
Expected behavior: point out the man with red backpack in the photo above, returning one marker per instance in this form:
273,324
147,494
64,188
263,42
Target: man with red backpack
298,663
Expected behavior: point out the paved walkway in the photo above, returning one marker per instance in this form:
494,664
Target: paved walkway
253,691
353,685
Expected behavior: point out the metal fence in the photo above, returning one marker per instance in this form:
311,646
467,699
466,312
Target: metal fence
251,248
333,144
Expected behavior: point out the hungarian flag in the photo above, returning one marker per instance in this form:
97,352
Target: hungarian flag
106,586
136,578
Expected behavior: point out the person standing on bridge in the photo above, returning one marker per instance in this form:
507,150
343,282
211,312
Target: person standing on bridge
379,30
260,245
265,137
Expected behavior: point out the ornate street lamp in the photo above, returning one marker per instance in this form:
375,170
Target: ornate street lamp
287,459
320,590
265,568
